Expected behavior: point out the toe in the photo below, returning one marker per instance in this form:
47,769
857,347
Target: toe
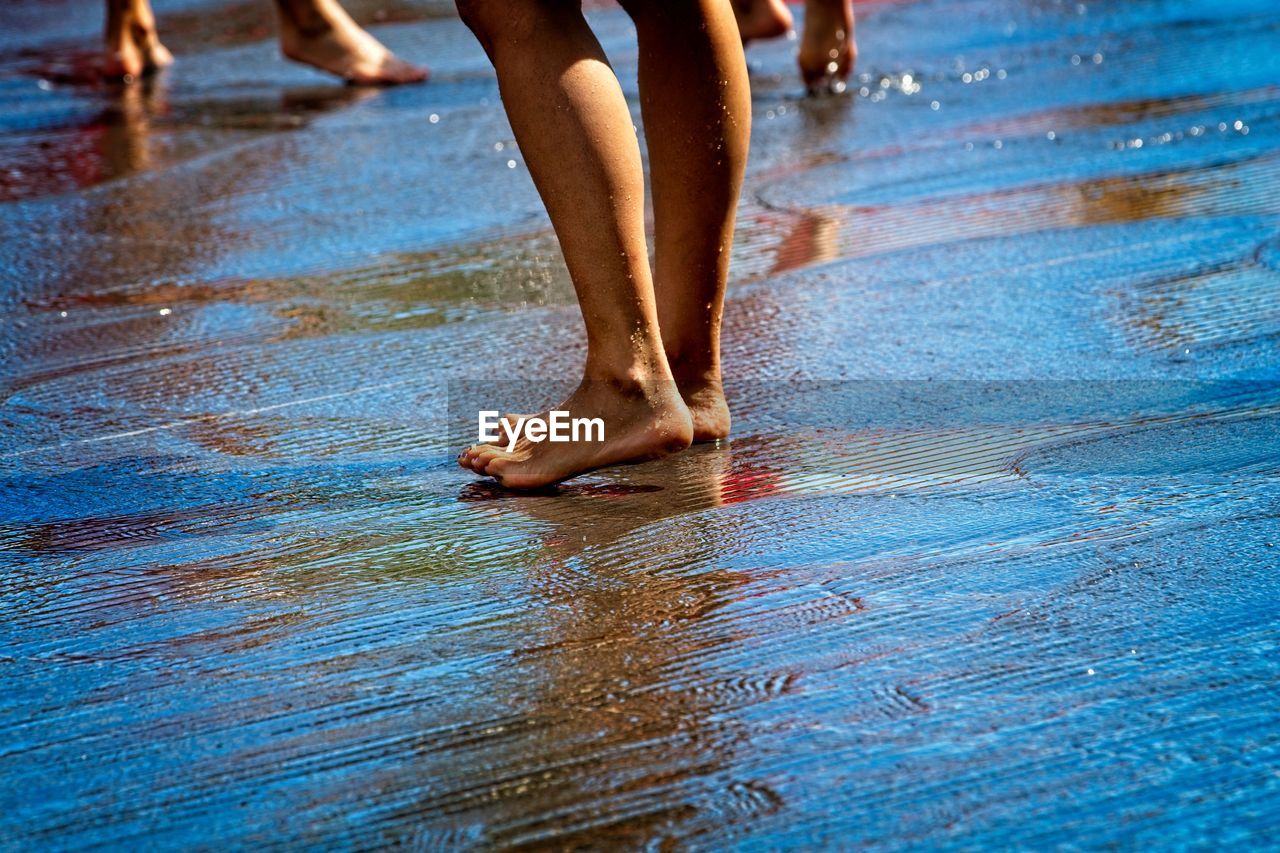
410,73
468,457
815,80
496,468
485,456
161,57
395,71
510,474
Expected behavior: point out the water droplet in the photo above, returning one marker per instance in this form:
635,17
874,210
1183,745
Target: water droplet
934,105
433,118
1089,671
1075,59
1051,136
498,146
165,312
511,164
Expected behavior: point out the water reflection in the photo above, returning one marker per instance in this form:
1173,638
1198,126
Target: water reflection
627,729
115,142
582,516
148,234
118,130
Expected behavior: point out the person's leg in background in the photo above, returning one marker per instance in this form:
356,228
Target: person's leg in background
132,47
762,19
319,33
828,50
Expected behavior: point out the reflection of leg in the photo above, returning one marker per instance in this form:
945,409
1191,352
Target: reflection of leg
697,119
814,239
132,46
827,50
320,33
126,143
761,19
574,130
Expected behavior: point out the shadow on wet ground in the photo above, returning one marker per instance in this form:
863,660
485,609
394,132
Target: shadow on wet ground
990,559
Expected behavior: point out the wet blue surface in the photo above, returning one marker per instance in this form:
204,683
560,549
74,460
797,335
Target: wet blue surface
990,560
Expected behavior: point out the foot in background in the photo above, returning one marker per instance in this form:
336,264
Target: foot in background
133,47
828,50
762,19
321,34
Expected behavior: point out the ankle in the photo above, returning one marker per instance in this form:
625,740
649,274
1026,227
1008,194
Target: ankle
693,369
636,382
308,20
641,363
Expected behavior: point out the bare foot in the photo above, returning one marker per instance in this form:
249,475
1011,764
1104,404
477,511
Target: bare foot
703,396
828,51
762,19
642,421
321,34
132,46
705,401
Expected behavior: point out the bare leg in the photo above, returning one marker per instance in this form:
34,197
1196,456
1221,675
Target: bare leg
320,33
696,105
697,118
828,51
132,46
574,129
762,19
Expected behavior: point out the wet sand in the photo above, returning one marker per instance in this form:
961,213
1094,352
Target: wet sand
990,560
